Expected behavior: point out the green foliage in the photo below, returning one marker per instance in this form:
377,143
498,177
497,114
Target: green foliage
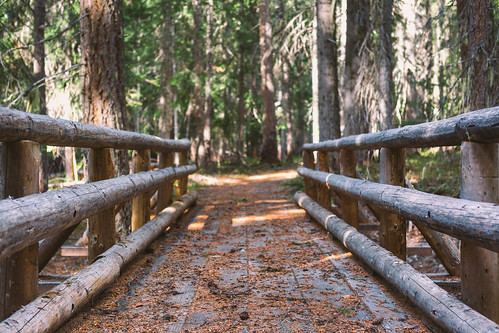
296,184
431,170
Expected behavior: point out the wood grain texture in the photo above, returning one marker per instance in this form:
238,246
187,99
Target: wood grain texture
349,206
392,226
19,272
17,125
480,267
464,219
27,220
434,302
52,309
478,126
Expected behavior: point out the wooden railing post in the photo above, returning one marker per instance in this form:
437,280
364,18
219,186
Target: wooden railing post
165,191
101,227
323,191
141,208
392,227
183,158
349,206
479,266
309,162
19,168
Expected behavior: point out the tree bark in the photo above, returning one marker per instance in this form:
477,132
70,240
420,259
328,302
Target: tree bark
205,153
357,29
103,101
197,103
165,121
385,78
269,146
329,113
39,74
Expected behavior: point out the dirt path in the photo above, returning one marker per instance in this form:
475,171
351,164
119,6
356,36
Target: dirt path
245,259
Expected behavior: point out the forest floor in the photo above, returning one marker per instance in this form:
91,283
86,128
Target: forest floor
247,259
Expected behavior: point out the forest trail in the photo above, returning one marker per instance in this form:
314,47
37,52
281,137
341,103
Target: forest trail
247,259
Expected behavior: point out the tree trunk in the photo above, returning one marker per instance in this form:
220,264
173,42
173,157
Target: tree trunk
357,29
39,74
197,104
205,157
103,101
385,79
165,121
269,146
315,81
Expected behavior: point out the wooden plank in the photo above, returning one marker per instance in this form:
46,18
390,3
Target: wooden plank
349,206
101,226
460,218
141,208
17,125
393,227
74,251
437,304
183,158
323,191
19,272
477,126
419,250
52,309
165,192
479,266
41,215
444,248
309,162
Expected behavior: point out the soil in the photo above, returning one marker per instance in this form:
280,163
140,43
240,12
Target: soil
247,259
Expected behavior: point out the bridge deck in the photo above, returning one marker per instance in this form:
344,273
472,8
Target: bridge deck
247,259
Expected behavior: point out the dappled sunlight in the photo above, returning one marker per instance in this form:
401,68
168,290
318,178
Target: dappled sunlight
285,174
208,180
273,215
337,257
199,223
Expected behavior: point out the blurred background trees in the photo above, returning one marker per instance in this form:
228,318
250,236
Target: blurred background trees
193,68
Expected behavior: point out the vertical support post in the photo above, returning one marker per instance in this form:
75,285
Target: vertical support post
349,206
309,162
101,227
323,191
19,168
182,182
165,191
479,266
392,227
140,204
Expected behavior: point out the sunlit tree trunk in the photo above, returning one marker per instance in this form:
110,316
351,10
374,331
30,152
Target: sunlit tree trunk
269,146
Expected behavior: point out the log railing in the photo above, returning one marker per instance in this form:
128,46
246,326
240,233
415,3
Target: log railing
473,218
34,225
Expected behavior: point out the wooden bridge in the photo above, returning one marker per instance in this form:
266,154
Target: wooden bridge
252,262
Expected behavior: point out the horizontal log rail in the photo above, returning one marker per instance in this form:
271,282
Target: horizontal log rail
444,309
464,219
17,125
52,309
477,126
28,219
